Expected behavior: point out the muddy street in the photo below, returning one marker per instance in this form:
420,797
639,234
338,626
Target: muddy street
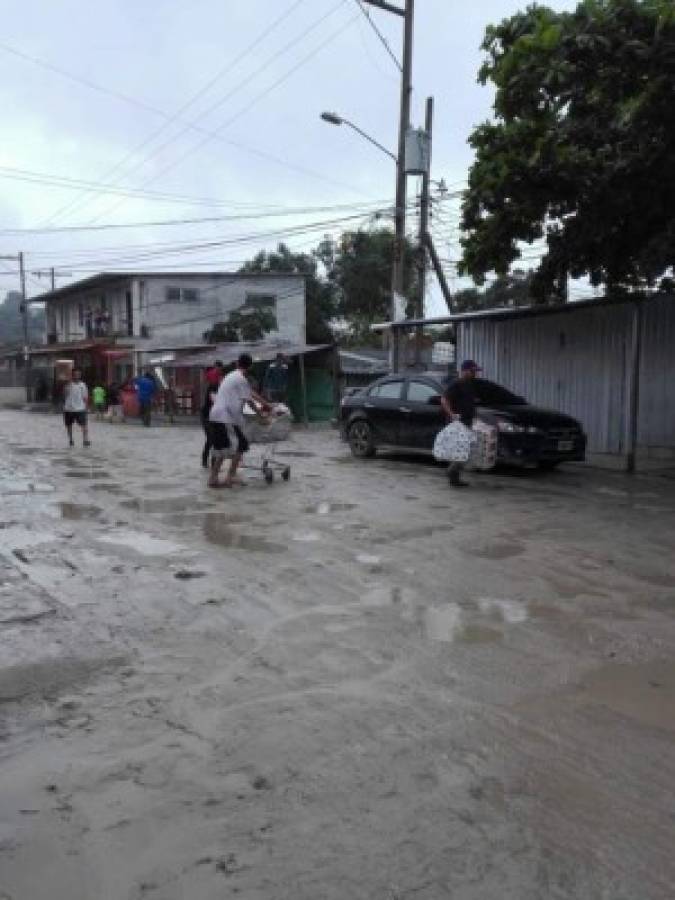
357,684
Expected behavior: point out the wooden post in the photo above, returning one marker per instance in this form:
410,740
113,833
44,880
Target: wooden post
303,388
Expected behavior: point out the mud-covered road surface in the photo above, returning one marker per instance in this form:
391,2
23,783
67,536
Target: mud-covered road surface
358,685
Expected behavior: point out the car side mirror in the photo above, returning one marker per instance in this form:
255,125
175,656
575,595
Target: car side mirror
436,400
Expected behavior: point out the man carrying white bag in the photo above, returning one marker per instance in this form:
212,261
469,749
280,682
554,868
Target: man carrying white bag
453,443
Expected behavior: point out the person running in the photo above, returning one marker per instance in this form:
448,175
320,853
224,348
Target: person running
98,397
75,398
115,408
459,403
146,388
212,385
226,421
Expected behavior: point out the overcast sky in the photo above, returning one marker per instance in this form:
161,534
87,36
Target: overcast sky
216,104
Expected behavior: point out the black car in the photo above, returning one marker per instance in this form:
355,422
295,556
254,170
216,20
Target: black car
404,412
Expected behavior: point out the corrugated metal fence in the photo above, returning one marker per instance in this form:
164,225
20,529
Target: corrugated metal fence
578,362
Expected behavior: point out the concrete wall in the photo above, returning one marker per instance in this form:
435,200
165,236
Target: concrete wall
218,296
579,362
184,320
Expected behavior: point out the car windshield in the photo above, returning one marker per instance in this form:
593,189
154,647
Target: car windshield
490,394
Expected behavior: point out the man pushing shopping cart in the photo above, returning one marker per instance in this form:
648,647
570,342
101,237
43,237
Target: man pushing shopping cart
227,422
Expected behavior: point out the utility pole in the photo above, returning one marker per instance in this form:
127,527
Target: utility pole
18,257
407,13
425,205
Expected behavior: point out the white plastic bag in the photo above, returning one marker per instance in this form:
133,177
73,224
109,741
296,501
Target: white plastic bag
483,455
453,443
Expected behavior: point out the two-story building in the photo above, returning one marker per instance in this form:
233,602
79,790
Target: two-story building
113,317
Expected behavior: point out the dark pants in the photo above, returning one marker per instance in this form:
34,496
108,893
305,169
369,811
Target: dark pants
206,452
455,470
146,410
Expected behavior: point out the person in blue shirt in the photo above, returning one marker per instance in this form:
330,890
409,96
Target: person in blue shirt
275,383
146,388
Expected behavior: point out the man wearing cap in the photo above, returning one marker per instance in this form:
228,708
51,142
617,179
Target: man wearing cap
459,403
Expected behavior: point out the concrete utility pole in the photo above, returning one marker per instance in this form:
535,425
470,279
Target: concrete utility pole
425,205
407,13
18,257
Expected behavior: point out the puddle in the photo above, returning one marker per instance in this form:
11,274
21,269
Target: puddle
110,487
87,473
52,677
165,504
200,520
326,508
218,531
306,537
78,511
297,454
374,563
644,692
386,595
479,634
410,534
494,549
442,623
141,543
15,486
513,612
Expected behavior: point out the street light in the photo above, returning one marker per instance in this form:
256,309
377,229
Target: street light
334,119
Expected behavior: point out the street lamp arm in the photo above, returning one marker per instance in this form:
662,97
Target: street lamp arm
387,7
371,140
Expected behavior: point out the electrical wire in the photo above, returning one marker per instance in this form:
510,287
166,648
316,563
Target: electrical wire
262,95
377,31
231,93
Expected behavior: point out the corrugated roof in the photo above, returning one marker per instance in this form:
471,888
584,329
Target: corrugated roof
261,351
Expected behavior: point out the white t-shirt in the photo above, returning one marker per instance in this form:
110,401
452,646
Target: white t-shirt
76,396
228,407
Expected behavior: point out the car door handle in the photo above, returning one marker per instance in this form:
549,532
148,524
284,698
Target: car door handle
404,409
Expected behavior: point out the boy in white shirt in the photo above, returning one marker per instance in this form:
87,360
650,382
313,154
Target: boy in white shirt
226,421
76,396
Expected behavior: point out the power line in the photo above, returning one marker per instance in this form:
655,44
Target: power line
288,74
237,87
377,31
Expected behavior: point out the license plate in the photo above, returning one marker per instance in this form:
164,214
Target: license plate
565,446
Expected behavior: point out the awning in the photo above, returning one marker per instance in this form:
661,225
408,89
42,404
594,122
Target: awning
229,353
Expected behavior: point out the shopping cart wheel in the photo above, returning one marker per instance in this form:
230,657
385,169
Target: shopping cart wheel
268,475
286,473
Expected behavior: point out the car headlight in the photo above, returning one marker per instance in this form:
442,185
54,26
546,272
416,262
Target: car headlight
509,427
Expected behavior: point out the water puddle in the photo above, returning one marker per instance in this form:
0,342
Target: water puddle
306,537
165,504
141,543
298,454
13,486
76,512
87,473
218,531
326,508
495,550
644,692
512,612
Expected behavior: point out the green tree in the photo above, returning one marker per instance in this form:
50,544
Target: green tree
11,321
359,267
513,289
243,325
582,152
319,293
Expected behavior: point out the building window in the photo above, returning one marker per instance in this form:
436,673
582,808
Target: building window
190,295
182,295
173,295
261,301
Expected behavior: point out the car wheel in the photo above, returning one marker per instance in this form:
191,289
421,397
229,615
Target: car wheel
361,439
548,465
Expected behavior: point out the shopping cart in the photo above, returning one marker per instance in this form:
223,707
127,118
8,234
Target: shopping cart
266,432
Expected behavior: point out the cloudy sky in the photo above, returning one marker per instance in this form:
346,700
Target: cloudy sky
139,111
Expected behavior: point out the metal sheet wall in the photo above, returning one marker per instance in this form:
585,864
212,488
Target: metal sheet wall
573,362
656,421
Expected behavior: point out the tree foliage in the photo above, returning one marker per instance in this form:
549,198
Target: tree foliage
319,294
11,321
359,268
513,289
242,325
582,152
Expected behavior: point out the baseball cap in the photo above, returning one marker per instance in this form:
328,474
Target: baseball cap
470,365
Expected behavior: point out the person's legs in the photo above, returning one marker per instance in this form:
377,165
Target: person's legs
82,422
145,413
218,437
238,440
455,470
207,448
68,420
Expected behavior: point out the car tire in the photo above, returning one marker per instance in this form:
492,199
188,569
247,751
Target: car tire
548,465
360,437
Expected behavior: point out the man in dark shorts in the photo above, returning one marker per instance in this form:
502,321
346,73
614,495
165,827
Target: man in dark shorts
75,398
226,421
459,404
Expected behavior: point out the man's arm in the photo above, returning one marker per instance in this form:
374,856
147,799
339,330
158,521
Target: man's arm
261,401
448,405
